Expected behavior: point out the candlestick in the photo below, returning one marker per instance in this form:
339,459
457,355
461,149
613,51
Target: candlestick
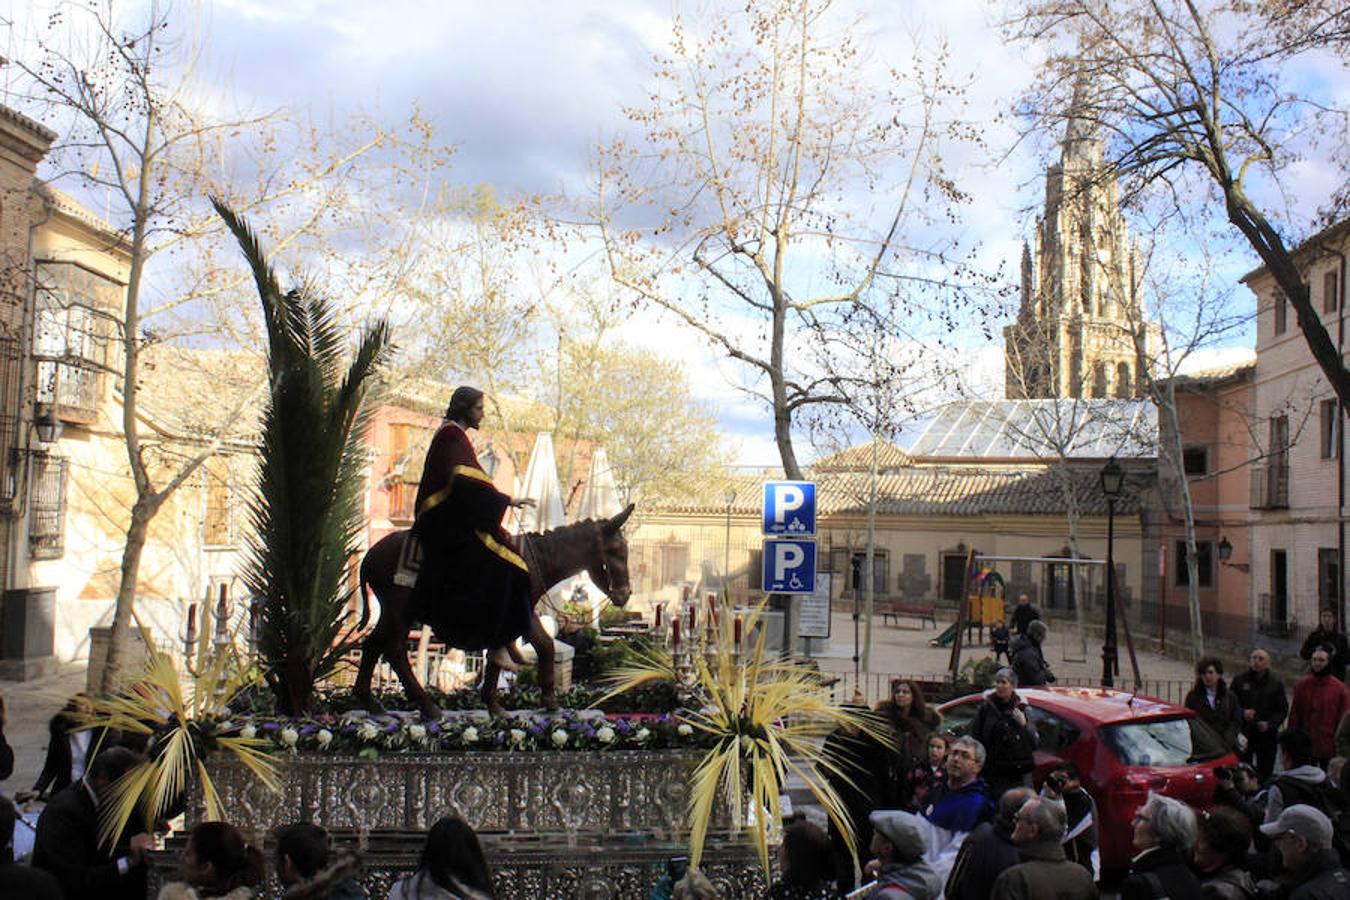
738,625
657,624
675,631
691,614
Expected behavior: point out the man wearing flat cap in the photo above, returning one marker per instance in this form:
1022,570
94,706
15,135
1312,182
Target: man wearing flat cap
1311,867
899,842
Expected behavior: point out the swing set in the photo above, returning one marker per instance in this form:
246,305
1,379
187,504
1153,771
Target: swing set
983,594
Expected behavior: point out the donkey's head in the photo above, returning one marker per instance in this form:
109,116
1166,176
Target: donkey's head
609,567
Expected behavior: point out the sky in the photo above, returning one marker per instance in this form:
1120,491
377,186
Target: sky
526,90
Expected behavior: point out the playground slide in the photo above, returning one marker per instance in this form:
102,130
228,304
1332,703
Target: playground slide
945,639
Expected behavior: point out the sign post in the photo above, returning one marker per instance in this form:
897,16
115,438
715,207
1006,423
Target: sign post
789,548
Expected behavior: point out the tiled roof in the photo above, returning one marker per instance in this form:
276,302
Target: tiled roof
930,490
187,391
859,459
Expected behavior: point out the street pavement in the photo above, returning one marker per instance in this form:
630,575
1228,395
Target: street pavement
29,706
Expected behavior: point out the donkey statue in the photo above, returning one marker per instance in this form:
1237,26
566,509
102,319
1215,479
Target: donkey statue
598,547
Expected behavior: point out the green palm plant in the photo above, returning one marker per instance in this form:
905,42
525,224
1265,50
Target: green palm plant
181,726
307,506
769,719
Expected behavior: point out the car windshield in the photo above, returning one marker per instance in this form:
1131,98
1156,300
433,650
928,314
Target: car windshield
1164,742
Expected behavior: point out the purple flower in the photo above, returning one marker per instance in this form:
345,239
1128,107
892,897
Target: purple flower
270,726
391,727
433,728
624,727
589,731
308,730
536,730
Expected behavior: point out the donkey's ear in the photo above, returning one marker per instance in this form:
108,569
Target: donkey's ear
613,525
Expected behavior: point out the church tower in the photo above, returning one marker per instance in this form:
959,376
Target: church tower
1074,335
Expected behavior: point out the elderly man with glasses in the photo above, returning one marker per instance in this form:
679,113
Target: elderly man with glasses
1312,869
1044,871
1164,834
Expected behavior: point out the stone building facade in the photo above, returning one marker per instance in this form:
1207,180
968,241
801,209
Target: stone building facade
1075,334
1298,483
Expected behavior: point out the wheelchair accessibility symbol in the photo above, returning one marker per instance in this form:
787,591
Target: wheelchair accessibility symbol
789,566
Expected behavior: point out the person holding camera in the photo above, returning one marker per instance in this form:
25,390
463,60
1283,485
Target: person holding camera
1239,789
1064,786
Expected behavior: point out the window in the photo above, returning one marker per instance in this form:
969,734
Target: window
1331,293
219,528
672,563
1204,552
1056,734
1099,381
880,572
1195,460
47,507
1281,314
1279,441
74,334
1331,429
1124,389
1164,742
1328,578
402,496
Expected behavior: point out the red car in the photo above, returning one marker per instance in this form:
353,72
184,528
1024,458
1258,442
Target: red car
1124,744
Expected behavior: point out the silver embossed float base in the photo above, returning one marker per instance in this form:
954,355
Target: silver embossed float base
535,869
536,793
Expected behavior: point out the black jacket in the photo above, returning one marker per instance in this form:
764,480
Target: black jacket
1008,747
1022,616
1029,663
67,846
1225,716
1322,879
1265,694
6,757
1174,878
55,775
984,854
1338,642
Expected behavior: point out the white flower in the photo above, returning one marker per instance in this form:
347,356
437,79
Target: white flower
685,729
248,732
289,736
559,737
642,734
323,738
367,731
470,735
225,726
417,732
605,735
517,736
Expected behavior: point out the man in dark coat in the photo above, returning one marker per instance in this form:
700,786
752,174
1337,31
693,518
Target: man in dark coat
1329,634
1264,704
1028,660
865,764
1311,868
1023,615
472,582
67,843
1043,870
987,850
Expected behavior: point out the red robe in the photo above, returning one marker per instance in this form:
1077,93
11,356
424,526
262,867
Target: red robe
473,585
1318,706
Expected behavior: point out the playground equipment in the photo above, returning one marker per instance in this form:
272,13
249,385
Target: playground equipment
975,605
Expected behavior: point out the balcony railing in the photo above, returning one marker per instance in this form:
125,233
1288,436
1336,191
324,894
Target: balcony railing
1270,487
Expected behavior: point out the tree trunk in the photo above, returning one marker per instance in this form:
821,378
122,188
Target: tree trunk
1176,460
1075,573
869,578
137,531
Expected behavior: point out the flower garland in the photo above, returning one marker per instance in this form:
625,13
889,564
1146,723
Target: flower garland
366,735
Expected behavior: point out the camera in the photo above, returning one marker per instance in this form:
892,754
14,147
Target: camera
1224,773
1058,781
676,866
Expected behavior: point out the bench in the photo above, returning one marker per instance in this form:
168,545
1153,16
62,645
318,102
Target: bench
923,610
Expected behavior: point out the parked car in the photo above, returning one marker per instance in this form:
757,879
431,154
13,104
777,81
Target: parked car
1124,744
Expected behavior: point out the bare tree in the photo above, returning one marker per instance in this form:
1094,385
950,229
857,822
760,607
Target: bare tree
1191,98
779,192
131,103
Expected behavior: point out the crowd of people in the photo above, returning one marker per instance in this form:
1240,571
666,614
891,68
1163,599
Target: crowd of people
935,815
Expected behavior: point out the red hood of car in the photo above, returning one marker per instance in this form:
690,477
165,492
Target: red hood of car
1101,705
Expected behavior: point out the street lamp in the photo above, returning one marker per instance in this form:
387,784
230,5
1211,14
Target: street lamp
726,551
1112,477
46,423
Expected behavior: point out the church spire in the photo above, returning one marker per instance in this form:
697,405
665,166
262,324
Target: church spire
1081,141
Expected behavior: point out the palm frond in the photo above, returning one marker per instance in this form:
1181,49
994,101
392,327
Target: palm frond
769,719
183,726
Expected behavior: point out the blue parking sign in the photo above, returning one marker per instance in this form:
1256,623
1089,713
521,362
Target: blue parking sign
790,508
789,566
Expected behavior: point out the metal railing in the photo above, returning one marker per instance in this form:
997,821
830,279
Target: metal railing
876,686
